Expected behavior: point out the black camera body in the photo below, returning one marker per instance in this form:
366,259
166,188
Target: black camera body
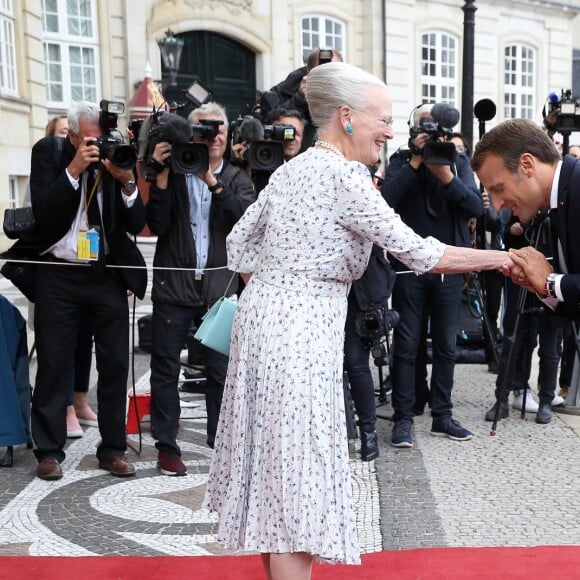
111,144
435,151
325,55
564,112
267,154
373,325
186,156
280,132
207,129
442,118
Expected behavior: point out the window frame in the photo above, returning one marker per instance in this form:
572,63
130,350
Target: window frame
8,68
88,88
323,20
519,98
436,87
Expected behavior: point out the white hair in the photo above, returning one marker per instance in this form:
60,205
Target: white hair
334,84
420,112
208,109
82,110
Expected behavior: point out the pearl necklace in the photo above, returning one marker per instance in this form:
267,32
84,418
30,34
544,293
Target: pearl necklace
329,146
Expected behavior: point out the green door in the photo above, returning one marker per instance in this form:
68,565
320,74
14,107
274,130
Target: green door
224,66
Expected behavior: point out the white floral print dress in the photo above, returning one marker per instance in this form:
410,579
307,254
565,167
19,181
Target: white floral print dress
279,477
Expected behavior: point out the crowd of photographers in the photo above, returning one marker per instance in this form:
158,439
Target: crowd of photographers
203,176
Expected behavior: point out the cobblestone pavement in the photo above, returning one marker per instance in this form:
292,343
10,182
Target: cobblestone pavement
518,488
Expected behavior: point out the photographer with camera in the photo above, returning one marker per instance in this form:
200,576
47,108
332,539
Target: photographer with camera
261,149
191,213
435,195
291,92
75,190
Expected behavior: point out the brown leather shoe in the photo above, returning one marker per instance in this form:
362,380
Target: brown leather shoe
119,466
49,469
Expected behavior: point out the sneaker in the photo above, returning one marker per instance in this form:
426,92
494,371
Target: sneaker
170,464
531,404
449,427
401,436
557,401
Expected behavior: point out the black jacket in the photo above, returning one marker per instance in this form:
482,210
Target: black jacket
374,287
168,218
428,206
55,203
569,235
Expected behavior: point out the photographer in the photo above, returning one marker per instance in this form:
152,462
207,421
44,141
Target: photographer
437,200
70,197
191,215
261,149
365,327
291,92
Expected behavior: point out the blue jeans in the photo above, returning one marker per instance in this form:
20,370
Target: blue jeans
412,297
170,326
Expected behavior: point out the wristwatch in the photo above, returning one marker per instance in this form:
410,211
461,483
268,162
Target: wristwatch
217,185
550,289
129,186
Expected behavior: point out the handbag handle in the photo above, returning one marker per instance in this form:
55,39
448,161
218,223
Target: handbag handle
234,274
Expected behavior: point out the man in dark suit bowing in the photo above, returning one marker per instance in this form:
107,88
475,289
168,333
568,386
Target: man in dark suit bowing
74,192
519,165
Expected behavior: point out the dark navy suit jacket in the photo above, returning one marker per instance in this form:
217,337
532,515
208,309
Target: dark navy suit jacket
568,227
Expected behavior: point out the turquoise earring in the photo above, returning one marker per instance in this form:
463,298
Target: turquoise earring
349,129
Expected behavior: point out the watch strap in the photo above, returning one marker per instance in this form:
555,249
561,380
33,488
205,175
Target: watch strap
219,184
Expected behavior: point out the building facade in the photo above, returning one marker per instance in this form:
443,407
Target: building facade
55,51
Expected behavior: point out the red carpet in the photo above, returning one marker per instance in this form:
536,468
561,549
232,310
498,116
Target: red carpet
546,562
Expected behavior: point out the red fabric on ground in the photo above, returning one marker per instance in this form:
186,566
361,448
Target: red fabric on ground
553,562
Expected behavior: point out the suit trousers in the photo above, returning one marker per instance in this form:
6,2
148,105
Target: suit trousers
62,294
170,325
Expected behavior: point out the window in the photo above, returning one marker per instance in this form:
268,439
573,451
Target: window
519,81
439,68
70,51
322,32
7,48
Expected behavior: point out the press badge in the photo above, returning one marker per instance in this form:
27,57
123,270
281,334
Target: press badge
88,245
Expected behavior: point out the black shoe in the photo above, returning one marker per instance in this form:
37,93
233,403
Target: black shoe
369,445
419,409
492,367
544,413
504,412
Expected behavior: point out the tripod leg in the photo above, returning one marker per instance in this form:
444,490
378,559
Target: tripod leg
486,322
512,341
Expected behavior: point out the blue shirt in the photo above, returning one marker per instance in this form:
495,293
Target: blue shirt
199,214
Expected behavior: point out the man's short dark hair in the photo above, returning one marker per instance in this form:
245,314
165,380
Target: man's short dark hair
280,112
510,140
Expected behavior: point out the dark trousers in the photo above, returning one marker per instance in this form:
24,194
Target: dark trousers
170,326
532,323
62,293
494,284
568,355
81,368
357,367
412,297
